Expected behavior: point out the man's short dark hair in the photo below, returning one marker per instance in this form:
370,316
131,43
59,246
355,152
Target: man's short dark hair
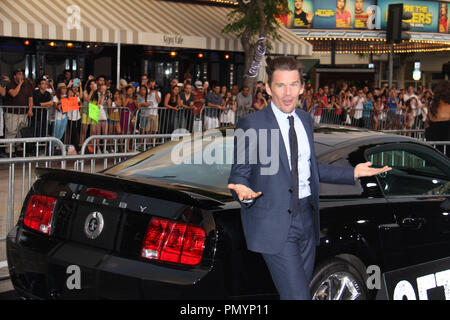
284,63
16,72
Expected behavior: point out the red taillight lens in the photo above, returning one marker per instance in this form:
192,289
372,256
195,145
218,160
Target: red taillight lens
173,242
39,213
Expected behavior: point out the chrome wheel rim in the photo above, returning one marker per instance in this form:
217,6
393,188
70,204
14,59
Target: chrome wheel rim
338,286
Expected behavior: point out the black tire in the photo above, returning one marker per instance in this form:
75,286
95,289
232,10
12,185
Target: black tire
337,274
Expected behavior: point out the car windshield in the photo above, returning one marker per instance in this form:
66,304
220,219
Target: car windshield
202,162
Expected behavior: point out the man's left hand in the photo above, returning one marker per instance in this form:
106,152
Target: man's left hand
364,170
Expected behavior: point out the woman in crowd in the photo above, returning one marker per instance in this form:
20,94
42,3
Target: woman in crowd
85,120
126,118
392,105
408,116
438,124
205,88
346,102
60,117
368,111
171,102
142,105
335,109
259,102
114,117
104,103
379,114
227,116
223,92
74,122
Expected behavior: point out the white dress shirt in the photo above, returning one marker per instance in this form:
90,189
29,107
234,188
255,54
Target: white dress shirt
304,152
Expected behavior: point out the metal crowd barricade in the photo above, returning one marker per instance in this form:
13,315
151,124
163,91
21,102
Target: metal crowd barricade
79,129
442,146
27,176
216,118
25,126
369,119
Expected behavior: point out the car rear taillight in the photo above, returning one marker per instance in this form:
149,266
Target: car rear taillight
38,215
172,241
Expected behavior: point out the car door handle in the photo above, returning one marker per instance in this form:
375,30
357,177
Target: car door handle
414,223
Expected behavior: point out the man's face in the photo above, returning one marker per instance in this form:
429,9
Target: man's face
216,89
359,5
245,92
100,82
285,89
43,85
298,4
67,75
187,88
325,89
235,90
144,80
18,77
410,90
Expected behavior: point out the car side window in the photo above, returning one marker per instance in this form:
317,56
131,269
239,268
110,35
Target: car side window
416,170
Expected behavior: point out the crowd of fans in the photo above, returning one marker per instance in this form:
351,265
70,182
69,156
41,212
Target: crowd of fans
144,107
372,108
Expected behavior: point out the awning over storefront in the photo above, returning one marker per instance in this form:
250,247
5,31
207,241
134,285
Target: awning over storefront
141,22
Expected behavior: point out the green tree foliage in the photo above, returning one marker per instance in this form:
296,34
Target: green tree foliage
252,20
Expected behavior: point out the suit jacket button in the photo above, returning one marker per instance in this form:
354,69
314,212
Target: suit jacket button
291,190
290,211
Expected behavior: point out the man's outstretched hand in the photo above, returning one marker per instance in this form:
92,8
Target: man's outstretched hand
364,170
244,192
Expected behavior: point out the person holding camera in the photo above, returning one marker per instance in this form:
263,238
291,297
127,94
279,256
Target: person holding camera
414,105
18,93
358,107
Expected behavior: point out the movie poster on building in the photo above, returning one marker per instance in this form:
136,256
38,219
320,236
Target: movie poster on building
425,14
443,26
344,17
364,12
285,20
302,13
324,14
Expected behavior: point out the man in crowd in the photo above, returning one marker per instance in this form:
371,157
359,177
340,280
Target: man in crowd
199,101
18,93
244,102
43,98
358,106
414,101
213,100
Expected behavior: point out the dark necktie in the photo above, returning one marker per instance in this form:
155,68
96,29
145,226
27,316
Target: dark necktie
293,144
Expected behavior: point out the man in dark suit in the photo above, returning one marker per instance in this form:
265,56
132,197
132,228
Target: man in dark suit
280,198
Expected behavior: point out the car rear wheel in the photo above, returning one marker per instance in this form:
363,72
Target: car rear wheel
337,280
